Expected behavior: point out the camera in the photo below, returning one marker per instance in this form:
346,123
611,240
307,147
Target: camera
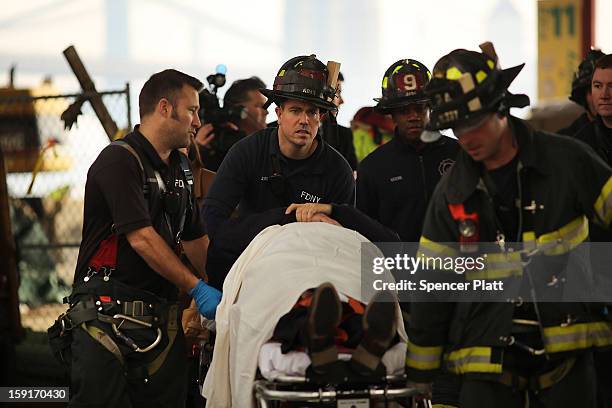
212,112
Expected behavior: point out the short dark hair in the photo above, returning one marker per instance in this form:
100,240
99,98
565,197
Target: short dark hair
604,62
238,92
165,84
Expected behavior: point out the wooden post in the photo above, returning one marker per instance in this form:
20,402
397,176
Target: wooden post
109,125
588,26
333,69
9,299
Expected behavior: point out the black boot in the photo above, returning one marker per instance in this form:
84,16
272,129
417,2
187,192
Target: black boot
324,316
379,327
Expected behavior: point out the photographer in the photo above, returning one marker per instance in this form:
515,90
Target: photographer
244,99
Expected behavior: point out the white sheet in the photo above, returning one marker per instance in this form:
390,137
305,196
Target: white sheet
264,284
273,363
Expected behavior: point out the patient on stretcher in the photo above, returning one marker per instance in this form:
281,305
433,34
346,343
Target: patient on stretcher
259,297
322,325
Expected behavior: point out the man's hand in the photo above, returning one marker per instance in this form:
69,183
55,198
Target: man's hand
320,217
306,212
205,135
207,299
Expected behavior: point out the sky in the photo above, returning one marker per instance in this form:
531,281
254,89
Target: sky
127,40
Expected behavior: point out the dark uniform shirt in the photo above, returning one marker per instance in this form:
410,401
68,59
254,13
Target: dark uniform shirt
114,196
580,122
256,177
598,137
340,138
504,194
261,182
395,183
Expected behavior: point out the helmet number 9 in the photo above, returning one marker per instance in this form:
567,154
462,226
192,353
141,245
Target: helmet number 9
410,82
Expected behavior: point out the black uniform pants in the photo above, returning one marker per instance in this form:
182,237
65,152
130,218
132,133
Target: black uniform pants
576,389
603,368
99,380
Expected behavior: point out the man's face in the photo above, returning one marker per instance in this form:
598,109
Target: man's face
601,90
298,122
184,121
338,97
410,120
256,119
481,140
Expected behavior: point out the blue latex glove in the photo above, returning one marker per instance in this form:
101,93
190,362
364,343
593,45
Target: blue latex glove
207,299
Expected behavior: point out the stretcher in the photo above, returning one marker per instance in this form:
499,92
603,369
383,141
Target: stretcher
283,381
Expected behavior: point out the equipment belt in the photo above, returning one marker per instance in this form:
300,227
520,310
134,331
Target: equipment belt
88,310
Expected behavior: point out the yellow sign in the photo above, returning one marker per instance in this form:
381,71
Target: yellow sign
559,46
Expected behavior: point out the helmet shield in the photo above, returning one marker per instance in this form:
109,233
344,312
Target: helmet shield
302,78
403,84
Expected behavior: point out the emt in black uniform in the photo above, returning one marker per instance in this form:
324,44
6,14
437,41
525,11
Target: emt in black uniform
127,344
581,93
396,181
263,174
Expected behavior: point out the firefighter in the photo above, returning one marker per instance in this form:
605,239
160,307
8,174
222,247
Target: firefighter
395,182
581,93
263,174
510,184
598,135
123,326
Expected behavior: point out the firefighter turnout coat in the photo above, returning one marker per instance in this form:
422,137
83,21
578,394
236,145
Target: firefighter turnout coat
561,184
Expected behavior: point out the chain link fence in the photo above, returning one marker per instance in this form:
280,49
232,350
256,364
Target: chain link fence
47,166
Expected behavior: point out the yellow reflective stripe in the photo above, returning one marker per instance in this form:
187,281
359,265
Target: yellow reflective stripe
603,205
560,241
529,240
472,360
423,358
498,265
565,238
577,336
431,248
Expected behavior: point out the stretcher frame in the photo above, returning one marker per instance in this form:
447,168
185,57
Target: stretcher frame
269,393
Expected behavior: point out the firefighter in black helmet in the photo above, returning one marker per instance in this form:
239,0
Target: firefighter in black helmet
519,198
277,166
581,92
395,182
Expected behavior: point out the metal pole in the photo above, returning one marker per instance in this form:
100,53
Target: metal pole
129,106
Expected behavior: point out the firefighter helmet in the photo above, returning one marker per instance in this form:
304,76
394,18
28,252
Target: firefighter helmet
303,78
467,84
403,84
581,83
